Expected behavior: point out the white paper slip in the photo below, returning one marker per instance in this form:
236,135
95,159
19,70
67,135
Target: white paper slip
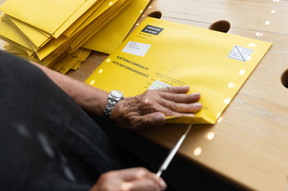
136,48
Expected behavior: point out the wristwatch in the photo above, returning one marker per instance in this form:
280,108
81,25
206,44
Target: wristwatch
114,97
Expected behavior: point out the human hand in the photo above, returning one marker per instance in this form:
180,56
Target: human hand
151,107
133,179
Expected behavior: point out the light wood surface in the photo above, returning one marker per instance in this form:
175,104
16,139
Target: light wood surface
249,145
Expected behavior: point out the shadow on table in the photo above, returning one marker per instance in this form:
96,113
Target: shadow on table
182,175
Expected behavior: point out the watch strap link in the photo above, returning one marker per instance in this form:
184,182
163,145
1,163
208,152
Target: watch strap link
111,102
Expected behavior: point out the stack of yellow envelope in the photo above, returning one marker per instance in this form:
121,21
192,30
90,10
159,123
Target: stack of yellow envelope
53,32
112,35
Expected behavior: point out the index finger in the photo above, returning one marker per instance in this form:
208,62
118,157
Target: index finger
175,89
181,98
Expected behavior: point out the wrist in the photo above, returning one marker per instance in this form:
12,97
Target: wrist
94,101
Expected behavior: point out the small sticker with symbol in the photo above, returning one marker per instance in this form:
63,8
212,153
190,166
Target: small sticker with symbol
240,53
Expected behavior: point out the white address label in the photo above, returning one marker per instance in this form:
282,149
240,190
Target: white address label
136,48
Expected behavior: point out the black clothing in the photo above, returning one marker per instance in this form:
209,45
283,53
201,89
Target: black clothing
47,142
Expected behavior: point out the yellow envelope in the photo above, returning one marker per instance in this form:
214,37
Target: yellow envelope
77,65
65,64
79,13
101,9
103,20
36,36
47,15
161,53
107,40
83,18
54,49
16,51
8,32
60,44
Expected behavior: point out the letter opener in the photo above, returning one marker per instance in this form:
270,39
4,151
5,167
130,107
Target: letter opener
173,151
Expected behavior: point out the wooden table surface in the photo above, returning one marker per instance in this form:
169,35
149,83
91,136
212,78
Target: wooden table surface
249,144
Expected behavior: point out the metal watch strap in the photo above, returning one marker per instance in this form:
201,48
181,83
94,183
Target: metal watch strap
114,97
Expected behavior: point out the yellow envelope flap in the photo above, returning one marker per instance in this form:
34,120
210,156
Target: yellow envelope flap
36,36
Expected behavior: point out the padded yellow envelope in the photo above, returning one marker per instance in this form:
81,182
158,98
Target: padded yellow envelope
161,53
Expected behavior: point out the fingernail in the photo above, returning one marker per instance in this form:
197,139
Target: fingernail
198,105
163,185
186,87
159,118
196,94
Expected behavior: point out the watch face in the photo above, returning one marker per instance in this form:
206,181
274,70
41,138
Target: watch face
116,94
